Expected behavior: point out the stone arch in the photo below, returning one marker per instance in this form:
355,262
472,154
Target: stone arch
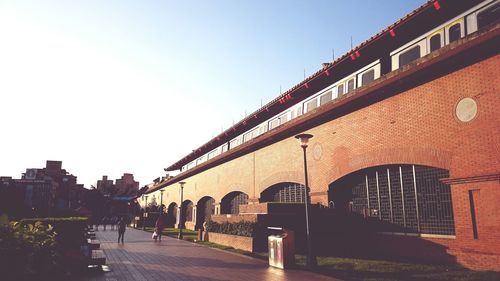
230,203
286,192
399,197
280,177
347,163
204,210
171,214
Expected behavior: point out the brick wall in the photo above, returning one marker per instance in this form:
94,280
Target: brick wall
418,126
237,242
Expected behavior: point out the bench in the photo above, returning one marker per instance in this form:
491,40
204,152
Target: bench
94,244
97,258
91,234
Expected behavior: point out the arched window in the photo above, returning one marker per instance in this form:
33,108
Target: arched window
435,42
187,211
454,32
411,198
287,192
230,204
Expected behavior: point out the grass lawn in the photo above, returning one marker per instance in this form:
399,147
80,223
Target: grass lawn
362,269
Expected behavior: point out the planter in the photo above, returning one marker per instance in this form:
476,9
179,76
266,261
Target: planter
235,241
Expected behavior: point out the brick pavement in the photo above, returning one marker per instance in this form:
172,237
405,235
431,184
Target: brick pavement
141,259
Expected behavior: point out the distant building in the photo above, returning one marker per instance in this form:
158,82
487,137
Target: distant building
40,190
118,195
62,181
105,186
127,186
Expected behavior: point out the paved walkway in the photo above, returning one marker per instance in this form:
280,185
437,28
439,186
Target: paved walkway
141,259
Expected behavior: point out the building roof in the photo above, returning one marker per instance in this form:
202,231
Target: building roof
330,73
447,59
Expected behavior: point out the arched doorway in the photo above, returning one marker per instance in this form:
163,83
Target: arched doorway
171,215
204,210
186,212
285,192
407,198
230,204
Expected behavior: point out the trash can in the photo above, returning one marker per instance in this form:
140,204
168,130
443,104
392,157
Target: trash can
281,245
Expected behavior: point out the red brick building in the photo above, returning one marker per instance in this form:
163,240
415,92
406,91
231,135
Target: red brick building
405,144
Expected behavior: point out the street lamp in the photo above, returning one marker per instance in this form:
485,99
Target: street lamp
145,215
180,213
161,201
311,258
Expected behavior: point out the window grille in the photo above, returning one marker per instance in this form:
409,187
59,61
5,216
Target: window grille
436,213
385,199
231,203
285,193
388,193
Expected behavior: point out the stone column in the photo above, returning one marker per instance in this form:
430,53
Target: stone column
195,216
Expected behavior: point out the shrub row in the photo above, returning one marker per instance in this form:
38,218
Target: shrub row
28,251
242,228
37,249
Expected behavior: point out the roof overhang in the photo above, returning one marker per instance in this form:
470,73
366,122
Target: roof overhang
463,52
406,29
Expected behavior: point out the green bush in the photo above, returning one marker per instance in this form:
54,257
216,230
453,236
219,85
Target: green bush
242,228
28,252
70,231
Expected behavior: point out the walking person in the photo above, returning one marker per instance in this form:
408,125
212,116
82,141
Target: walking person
160,225
121,229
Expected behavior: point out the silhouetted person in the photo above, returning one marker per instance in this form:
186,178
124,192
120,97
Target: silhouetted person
160,225
121,229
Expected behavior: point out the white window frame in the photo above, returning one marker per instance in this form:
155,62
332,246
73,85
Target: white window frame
441,40
376,75
469,15
448,26
236,141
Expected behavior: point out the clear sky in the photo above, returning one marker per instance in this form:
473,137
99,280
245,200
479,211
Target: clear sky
113,87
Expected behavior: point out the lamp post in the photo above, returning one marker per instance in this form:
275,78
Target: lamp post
180,213
145,215
311,258
161,201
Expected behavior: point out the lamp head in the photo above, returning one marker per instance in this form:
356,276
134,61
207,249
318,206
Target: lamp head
303,139
182,183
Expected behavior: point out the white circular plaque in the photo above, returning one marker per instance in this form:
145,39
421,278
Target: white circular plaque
466,109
